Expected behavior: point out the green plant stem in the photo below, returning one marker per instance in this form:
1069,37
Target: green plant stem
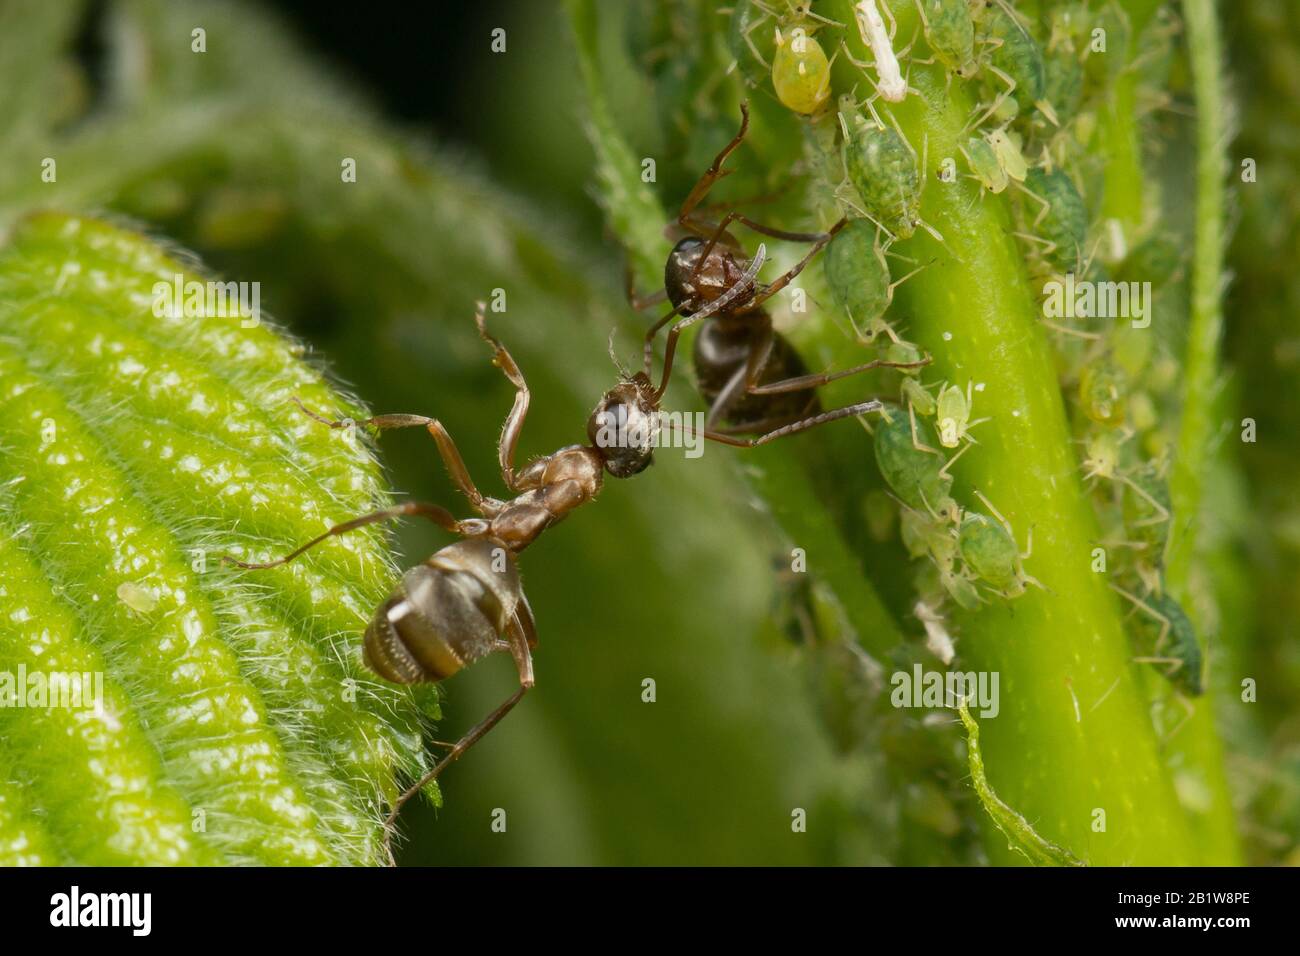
1199,426
1073,736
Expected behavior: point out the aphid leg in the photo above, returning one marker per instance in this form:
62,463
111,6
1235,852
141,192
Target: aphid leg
1000,98
1044,207
1162,514
916,439
714,172
949,463
860,408
446,446
519,647
1141,605
435,513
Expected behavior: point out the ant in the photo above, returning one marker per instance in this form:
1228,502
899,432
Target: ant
753,380
466,601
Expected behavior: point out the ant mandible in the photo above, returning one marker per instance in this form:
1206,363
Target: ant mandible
753,380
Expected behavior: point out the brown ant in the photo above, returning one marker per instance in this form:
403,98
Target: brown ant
466,601
753,380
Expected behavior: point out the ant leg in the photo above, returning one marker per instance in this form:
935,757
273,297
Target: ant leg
435,513
650,337
446,446
502,359
803,382
784,280
795,427
714,172
517,638
636,301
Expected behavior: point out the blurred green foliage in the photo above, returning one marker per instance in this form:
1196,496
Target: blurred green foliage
236,154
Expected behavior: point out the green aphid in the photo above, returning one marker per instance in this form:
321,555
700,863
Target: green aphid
1131,348
952,411
1062,223
1102,452
857,273
1176,652
1063,86
919,477
1102,389
950,34
924,535
882,168
1015,54
1146,510
984,165
989,551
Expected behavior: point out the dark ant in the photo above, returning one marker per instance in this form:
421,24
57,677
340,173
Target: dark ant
753,380
466,601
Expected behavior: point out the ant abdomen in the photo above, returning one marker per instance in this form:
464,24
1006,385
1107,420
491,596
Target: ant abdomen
722,349
446,613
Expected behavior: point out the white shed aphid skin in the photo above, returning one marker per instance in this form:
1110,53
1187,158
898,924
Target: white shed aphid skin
892,86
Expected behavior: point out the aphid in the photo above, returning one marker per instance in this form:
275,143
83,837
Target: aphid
984,164
1062,220
801,74
1177,652
932,535
1016,58
858,276
989,549
891,85
950,33
752,378
1146,510
913,469
466,601
996,160
882,168
1101,458
1102,389
953,410
755,30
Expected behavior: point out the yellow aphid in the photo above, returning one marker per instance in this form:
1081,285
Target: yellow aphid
136,597
801,73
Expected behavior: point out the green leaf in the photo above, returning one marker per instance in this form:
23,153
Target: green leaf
140,444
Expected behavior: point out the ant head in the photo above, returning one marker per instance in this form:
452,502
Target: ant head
692,284
624,426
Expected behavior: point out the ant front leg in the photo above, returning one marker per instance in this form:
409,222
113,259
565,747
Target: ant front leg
767,291
435,513
518,641
446,446
502,359
714,172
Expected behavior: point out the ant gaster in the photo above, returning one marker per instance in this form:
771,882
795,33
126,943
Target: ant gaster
753,380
